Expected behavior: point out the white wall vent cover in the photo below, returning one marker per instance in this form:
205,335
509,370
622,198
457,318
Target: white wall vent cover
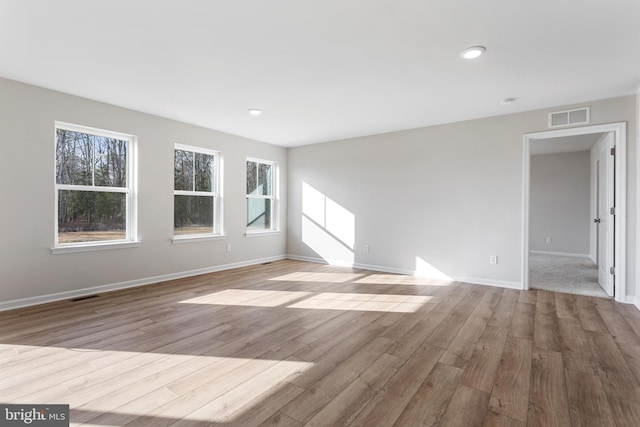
579,116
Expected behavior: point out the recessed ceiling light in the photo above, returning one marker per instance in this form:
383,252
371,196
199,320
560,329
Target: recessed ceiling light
507,101
472,52
254,111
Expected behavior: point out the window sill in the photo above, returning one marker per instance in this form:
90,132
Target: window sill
194,238
90,247
261,233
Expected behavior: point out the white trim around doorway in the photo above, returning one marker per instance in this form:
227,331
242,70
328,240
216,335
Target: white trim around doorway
620,133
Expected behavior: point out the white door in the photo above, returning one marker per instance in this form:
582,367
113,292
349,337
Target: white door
605,186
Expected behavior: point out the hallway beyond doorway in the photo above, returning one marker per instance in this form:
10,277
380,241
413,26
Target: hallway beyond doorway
564,274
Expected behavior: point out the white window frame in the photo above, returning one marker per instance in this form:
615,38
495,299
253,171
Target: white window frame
130,191
218,230
274,197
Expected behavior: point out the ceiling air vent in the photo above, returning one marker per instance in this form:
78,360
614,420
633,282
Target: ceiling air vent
579,116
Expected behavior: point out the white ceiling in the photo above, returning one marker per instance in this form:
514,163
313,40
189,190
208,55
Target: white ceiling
565,144
327,69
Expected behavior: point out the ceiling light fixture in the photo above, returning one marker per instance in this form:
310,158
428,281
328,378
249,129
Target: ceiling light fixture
473,52
254,111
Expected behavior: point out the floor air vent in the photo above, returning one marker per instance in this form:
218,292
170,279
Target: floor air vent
83,298
579,116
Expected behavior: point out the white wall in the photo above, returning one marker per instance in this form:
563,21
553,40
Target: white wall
439,199
560,202
27,266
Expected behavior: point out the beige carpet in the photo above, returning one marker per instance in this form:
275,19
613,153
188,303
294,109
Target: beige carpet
564,274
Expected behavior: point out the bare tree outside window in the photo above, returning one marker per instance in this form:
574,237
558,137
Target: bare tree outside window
195,192
92,186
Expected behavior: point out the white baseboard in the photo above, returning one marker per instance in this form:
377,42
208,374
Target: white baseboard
26,302
386,269
569,254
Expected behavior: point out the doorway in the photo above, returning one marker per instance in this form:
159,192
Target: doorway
607,238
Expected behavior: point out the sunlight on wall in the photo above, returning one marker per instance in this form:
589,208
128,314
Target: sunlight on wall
167,382
424,269
327,227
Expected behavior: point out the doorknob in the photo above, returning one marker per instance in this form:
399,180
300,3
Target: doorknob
597,220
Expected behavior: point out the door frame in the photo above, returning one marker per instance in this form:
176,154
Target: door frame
620,223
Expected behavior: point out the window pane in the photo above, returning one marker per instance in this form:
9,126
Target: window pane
204,172
183,170
258,214
252,183
74,154
192,214
264,179
110,162
89,216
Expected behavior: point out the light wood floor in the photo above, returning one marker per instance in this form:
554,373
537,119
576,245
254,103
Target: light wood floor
292,343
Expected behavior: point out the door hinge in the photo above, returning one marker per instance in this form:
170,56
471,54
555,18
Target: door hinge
613,151
612,210
612,271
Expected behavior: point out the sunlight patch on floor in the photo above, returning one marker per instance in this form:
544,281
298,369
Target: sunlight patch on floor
114,389
248,297
363,302
394,279
303,276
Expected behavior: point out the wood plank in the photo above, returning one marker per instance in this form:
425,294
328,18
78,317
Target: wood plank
385,408
631,354
615,374
480,372
428,405
493,419
566,306
305,406
548,396
588,404
446,331
277,420
468,407
523,322
503,313
589,316
615,322
346,406
528,297
487,303
461,348
510,394
625,412
223,408
576,353
545,333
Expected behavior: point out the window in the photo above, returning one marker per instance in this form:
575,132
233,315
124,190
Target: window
94,182
261,202
196,193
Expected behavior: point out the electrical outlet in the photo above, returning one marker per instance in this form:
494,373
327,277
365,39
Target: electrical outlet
228,247
366,249
548,240
493,259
